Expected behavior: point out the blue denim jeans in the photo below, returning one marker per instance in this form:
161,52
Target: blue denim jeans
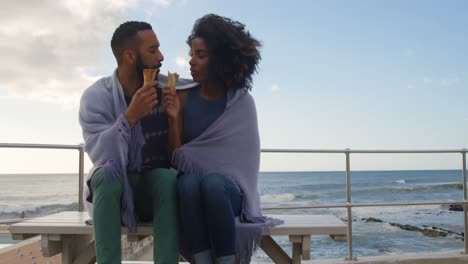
207,208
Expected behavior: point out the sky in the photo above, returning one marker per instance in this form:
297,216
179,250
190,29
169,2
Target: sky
334,75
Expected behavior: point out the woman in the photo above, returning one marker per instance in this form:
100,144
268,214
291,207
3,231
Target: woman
219,158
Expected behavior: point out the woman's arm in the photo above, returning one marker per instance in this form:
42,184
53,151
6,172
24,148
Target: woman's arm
174,103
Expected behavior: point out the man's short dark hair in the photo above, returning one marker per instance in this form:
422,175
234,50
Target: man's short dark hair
125,37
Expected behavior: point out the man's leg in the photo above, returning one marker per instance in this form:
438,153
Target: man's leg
142,196
165,218
107,223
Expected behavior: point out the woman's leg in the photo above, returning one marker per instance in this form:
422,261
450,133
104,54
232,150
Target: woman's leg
221,204
193,225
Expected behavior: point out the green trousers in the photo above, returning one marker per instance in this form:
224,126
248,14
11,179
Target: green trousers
155,200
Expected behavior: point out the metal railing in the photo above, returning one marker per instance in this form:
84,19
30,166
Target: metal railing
348,205
79,147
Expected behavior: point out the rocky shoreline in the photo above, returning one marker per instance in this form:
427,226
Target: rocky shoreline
431,231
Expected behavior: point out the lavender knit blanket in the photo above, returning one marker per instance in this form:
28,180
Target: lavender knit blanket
231,146
110,142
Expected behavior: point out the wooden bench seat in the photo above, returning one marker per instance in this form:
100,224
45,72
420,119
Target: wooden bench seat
67,233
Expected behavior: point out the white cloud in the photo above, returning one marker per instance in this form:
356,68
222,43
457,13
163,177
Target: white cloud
149,13
182,3
54,90
427,80
163,3
410,86
182,62
49,49
450,80
275,87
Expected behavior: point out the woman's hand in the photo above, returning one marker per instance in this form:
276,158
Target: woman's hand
171,103
173,108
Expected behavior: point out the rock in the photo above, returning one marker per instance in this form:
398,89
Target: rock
373,220
433,233
456,207
384,250
406,227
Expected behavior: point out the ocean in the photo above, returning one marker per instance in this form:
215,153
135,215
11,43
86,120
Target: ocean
28,195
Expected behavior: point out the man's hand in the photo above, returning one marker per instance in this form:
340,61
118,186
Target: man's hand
142,102
171,103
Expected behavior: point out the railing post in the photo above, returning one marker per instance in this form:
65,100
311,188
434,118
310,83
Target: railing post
348,206
465,216
81,177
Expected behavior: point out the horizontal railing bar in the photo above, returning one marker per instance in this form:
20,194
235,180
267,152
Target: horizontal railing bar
408,204
59,146
305,207
398,151
38,146
12,221
326,206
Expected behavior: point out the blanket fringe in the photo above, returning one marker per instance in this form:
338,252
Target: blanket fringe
112,171
253,236
186,165
249,245
128,207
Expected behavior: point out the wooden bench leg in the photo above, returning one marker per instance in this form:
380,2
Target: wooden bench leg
274,251
296,248
305,247
87,255
300,248
135,238
78,249
51,245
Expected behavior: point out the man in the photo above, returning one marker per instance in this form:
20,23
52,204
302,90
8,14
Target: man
129,137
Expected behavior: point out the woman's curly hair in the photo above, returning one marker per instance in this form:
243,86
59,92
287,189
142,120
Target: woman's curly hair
234,54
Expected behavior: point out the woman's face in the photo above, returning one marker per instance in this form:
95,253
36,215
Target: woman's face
199,60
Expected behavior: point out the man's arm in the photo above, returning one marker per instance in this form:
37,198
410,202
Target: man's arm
105,136
108,137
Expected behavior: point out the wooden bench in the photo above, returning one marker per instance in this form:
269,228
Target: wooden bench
67,233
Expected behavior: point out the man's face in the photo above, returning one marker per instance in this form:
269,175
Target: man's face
148,54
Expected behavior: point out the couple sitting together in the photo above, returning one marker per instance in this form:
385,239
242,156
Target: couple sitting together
185,159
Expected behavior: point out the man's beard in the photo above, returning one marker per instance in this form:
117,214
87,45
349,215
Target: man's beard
139,67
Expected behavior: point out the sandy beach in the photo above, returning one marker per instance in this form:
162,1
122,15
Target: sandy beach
26,252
